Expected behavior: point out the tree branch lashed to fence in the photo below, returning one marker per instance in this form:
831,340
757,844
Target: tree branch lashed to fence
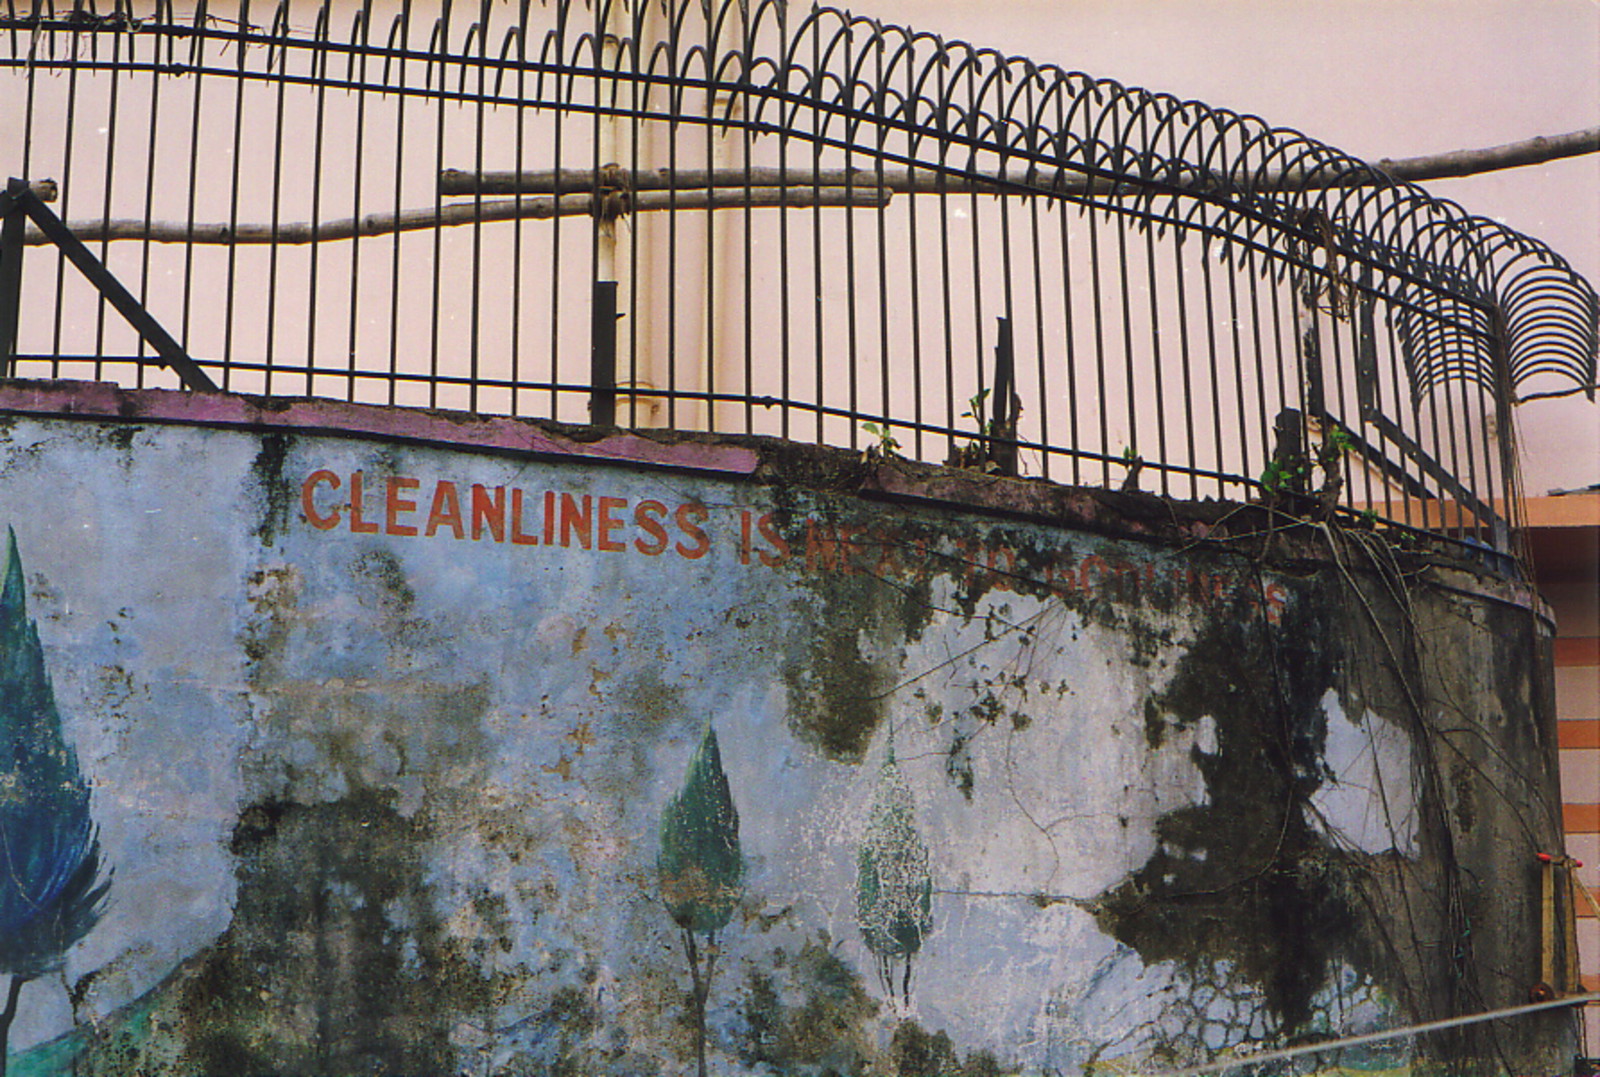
416,220
1531,151
571,192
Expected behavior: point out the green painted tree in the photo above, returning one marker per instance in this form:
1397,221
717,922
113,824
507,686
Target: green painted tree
894,888
52,890
701,871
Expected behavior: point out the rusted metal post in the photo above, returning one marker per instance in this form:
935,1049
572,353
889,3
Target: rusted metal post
12,220
603,355
1003,439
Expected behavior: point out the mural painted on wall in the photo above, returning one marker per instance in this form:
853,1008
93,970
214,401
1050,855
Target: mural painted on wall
416,762
894,891
702,872
52,886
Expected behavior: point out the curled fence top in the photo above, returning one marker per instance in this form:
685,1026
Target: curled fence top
1023,128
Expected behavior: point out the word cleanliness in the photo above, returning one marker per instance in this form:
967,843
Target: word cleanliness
903,553
505,514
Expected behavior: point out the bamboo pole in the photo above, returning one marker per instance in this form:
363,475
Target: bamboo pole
378,224
1048,180
571,192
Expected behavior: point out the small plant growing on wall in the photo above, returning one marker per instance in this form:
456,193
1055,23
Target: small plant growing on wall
894,888
52,890
701,872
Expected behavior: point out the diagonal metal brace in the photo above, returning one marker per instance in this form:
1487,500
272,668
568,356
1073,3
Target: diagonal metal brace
19,198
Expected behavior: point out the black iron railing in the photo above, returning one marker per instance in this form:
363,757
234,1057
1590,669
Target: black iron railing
751,217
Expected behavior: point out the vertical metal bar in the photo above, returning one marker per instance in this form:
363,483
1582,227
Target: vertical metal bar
362,32
151,156
947,329
603,354
1246,460
1308,343
439,48
1125,291
1006,403
1509,493
402,26
27,107
1341,305
785,133
1366,358
475,310
196,59
747,62
602,265
1069,329
112,114
1406,406
68,136
852,353
1097,312
1157,373
1191,458
1286,365
1432,445
1366,375
1258,350
519,117
1455,427
881,250
818,326
1041,394
235,166
1213,373
974,219
1486,525
280,26
712,341
913,279
638,96
672,228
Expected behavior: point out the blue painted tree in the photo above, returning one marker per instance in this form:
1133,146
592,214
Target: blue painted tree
701,871
894,888
52,890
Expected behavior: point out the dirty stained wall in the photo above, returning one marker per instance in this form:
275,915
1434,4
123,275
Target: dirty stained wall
409,758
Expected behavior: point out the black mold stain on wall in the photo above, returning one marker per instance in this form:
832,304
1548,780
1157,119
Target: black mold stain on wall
272,489
1242,877
838,692
335,962
1247,881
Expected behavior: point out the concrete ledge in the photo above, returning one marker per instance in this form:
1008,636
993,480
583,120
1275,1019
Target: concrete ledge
102,400
1246,528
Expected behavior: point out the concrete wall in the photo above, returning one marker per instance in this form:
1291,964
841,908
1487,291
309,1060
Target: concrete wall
420,744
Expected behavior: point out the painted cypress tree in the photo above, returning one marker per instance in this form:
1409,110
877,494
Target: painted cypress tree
701,871
894,888
51,887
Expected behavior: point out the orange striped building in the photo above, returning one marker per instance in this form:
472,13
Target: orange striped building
1565,536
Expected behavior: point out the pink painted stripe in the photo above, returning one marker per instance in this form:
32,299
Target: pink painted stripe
101,399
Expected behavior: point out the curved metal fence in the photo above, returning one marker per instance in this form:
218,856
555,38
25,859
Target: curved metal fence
762,218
